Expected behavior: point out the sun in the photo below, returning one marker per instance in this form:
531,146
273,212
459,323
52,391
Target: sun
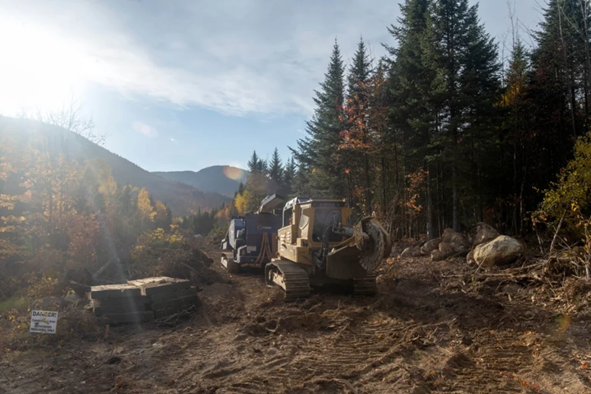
39,71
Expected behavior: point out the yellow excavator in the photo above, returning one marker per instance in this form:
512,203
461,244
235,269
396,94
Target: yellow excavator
316,247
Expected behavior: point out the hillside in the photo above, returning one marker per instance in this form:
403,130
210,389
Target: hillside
181,198
217,179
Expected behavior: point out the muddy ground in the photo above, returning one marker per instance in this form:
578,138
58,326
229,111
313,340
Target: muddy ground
431,329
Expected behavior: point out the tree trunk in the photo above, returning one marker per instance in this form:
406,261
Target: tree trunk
368,201
430,227
384,193
570,82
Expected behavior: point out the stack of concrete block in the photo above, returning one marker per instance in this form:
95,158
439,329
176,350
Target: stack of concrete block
167,296
119,304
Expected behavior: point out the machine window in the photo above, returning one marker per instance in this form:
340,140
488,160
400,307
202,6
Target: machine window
304,221
324,219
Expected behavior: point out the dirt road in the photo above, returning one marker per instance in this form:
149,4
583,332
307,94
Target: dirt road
427,331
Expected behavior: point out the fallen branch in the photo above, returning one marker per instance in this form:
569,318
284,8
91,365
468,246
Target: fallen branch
557,230
274,330
539,241
5,376
176,316
349,385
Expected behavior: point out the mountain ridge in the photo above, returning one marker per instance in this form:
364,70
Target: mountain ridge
221,179
182,199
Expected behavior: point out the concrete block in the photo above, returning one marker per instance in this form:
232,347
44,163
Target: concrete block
114,291
157,298
126,301
160,285
118,309
176,303
123,318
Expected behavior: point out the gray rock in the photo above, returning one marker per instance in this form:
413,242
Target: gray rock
501,251
430,246
484,233
436,255
457,241
446,249
470,258
413,251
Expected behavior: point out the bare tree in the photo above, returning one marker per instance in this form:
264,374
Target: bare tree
69,116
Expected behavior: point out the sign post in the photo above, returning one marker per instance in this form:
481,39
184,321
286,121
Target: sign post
43,322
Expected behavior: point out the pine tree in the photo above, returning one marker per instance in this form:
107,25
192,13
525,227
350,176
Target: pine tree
359,74
464,57
558,88
516,137
240,188
321,166
289,174
257,184
255,164
413,85
357,133
275,170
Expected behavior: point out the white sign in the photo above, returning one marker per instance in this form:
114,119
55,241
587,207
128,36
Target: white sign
43,322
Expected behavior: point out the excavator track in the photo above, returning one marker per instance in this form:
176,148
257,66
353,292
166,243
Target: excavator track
365,286
293,279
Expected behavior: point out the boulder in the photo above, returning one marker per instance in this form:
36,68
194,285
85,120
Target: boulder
430,246
71,299
484,234
412,251
446,249
436,255
457,241
470,258
500,251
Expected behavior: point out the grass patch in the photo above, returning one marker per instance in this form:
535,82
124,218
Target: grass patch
18,303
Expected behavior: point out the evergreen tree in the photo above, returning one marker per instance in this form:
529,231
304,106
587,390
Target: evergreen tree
256,165
464,58
359,74
257,184
288,177
275,170
357,135
413,85
517,139
318,154
240,188
558,88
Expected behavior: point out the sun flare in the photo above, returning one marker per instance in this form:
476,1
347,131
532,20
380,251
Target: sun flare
39,71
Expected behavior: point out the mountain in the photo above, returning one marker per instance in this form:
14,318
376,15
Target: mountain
181,198
217,179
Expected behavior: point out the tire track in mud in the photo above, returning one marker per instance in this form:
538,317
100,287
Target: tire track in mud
406,340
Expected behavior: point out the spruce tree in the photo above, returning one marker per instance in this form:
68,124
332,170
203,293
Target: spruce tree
288,177
357,130
275,170
257,183
558,88
464,58
359,74
254,164
413,85
321,166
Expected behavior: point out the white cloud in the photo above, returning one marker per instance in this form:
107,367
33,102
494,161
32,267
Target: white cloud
234,57
145,129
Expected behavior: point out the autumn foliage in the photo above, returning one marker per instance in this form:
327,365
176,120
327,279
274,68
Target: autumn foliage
62,216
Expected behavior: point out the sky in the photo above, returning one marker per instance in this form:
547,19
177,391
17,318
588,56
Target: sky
183,85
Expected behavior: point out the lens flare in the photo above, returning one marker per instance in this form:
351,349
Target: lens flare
233,173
